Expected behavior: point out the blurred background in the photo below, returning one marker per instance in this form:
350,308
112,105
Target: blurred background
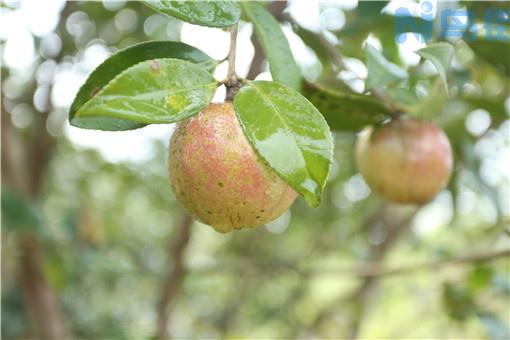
94,244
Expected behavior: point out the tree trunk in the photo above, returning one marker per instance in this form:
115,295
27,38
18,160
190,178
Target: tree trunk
23,167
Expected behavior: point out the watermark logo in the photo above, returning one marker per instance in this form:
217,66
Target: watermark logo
492,24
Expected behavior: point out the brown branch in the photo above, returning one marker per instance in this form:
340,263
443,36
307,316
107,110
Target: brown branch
338,61
173,282
24,166
435,265
361,271
321,45
244,285
40,299
333,52
362,294
336,57
276,8
40,154
14,160
258,59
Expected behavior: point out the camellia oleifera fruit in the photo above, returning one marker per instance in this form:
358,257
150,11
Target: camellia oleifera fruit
405,161
217,176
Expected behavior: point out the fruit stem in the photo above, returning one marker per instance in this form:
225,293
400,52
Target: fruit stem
232,83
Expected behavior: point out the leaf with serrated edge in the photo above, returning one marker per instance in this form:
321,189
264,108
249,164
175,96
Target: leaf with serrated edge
289,133
153,91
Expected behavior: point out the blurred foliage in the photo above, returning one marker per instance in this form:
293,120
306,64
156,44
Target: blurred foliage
105,227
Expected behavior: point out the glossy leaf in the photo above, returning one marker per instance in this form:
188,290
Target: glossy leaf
124,59
153,91
275,45
212,13
346,111
289,133
381,72
440,55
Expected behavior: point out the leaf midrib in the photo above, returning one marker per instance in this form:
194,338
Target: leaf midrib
137,98
287,129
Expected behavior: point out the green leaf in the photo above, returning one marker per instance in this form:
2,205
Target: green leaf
282,65
18,213
496,53
440,55
433,103
346,111
458,302
381,72
479,277
403,98
153,91
289,133
422,107
122,60
211,13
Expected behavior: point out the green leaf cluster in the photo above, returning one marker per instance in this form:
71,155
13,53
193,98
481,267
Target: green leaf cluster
287,121
162,82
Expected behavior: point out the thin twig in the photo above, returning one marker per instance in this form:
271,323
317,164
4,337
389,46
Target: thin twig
336,57
433,265
362,271
276,8
232,82
231,75
361,296
338,62
258,59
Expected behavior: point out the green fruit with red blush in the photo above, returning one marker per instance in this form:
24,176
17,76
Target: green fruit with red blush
218,177
405,161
